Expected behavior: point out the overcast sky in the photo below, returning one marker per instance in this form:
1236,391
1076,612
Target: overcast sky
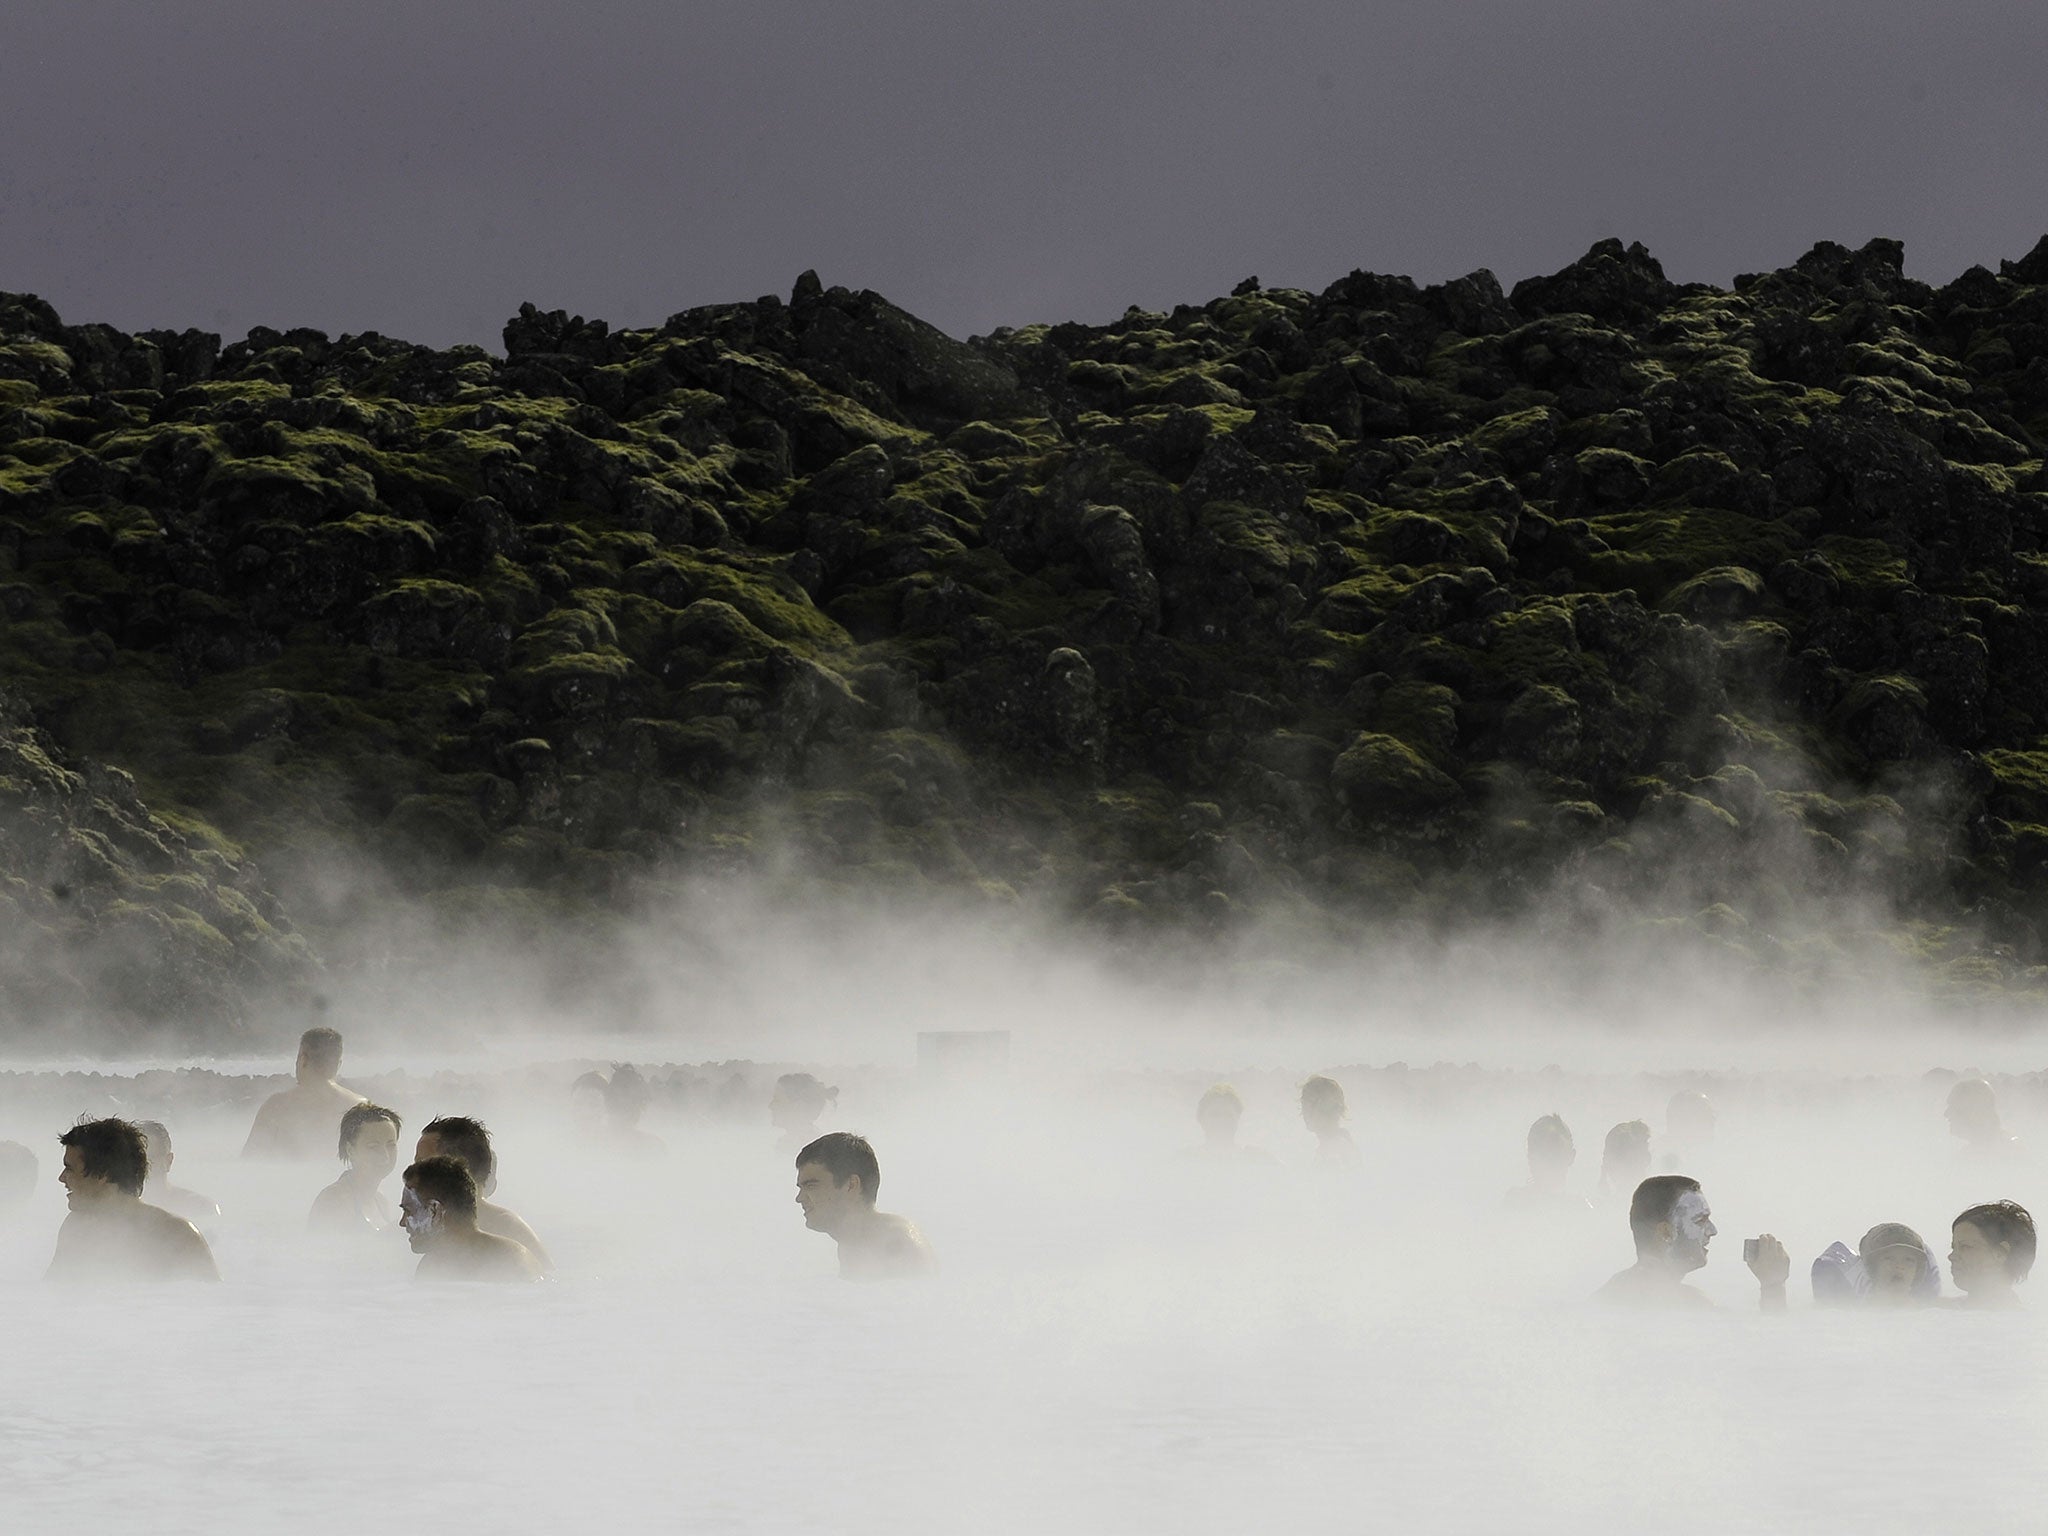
419,168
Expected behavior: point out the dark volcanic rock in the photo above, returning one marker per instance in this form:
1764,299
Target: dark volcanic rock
1428,600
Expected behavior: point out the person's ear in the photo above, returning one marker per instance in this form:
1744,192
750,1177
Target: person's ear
1665,1232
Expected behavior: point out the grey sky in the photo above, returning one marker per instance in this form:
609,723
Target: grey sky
420,168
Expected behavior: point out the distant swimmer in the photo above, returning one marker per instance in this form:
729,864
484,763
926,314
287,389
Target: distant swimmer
1551,1153
1322,1111
1991,1249
837,1178
793,1109
300,1121
1688,1126
1672,1225
1891,1267
110,1234
467,1141
18,1171
586,1103
626,1098
438,1207
1624,1159
1974,1121
159,1191
1218,1112
355,1202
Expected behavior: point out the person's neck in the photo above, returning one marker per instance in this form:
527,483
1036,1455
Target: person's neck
855,1226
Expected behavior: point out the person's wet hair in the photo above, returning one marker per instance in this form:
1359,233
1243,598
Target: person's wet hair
446,1180
464,1138
113,1150
2005,1221
1551,1136
357,1116
1653,1202
18,1171
843,1154
322,1047
158,1138
1630,1138
627,1089
1323,1094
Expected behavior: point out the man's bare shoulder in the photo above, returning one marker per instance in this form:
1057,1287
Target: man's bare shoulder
1640,1286
499,1222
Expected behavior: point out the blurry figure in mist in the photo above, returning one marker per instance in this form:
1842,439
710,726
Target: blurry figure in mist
1991,1249
1218,1112
586,1103
837,1179
793,1110
1322,1111
1551,1155
626,1098
1688,1127
111,1234
438,1208
356,1202
300,1121
1973,1120
18,1171
1891,1267
1671,1224
469,1143
1624,1159
159,1191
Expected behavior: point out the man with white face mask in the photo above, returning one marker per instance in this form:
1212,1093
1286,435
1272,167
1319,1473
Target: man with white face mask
437,1207
1672,1225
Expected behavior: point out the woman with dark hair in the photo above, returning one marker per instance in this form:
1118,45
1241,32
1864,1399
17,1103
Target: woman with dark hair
369,1156
1991,1249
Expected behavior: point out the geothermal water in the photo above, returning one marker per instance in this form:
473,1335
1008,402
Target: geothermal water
1122,1339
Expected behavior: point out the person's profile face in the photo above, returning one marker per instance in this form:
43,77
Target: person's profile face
374,1151
1974,1260
1692,1228
1893,1275
1321,1116
419,1217
823,1201
80,1187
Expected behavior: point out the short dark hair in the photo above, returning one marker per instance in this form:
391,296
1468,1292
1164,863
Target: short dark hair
322,1046
802,1088
2005,1221
627,1088
1653,1201
467,1140
446,1180
356,1116
843,1154
17,1172
113,1150
1630,1134
156,1135
1551,1131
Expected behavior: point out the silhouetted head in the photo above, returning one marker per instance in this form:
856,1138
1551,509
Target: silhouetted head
586,1100
1898,1265
837,1176
1973,1111
158,1141
1991,1247
1551,1152
1322,1105
319,1055
369,1140
798,1100
1218,1112
102,1158
1670,1222
466,1141
626,1096
1625,1155
1689,1118
439,1193
17,1175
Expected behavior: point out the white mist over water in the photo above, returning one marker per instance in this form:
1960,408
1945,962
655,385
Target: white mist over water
1122,1339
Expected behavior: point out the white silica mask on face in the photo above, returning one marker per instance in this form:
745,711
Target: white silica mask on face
1692,1223
418,1219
